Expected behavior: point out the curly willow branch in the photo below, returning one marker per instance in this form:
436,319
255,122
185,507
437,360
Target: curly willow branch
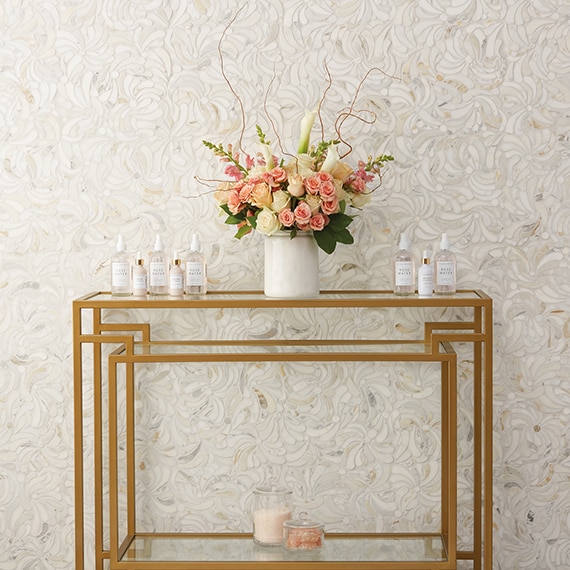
357,113
271,122
323,99
234,92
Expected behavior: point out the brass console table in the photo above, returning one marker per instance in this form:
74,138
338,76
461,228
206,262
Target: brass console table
122,546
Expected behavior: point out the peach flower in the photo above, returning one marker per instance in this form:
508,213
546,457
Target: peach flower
303,214
342,171
261,195
287,218
328,191
296,187
235,205
318,222
312,184
330,207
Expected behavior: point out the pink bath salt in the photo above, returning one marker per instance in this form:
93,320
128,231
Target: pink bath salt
304,538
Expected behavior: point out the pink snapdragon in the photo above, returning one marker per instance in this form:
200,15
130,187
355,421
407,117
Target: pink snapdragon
233,171
358,185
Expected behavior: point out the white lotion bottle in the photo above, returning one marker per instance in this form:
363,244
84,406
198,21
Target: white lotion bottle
158,269
140,280
196,283
404,268
121,270
176,277
445,269
425,276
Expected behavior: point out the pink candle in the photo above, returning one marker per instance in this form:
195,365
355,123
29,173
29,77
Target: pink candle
268,524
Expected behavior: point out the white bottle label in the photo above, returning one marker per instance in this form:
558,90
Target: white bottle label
139,281
404,273
176,281
445,273
157,274
425,280
120,274
194,274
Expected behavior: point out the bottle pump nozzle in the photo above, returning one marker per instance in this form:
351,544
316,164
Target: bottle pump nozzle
404,241
121,246
195,245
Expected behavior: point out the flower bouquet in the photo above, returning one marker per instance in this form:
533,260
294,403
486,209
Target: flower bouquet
309,191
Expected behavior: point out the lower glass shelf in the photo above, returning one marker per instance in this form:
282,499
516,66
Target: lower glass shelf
241,548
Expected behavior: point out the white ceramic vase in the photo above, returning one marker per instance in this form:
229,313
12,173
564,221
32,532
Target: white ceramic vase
291,266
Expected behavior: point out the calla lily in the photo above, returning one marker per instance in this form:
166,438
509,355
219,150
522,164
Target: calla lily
306,126
331,160
267,156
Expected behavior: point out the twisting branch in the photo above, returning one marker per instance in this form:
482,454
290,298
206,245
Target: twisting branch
323,99
271,122
234,92
357,113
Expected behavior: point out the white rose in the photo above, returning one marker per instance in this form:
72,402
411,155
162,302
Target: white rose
281,200
359,200
304,165
314,203
267,222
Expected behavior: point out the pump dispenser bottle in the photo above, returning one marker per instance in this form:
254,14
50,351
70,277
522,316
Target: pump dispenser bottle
195,269
445,269
158,269
425,275
120,270
404,268
140,280
176,277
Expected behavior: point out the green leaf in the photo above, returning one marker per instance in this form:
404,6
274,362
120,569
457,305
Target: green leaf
243,231
339,221
344,236
325,240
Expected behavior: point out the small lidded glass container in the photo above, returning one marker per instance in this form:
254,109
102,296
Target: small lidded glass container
303,534
271,508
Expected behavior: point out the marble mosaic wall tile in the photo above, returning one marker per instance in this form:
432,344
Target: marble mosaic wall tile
103,107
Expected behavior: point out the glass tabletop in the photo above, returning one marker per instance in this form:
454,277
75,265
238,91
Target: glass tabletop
217,548
348,298
285,347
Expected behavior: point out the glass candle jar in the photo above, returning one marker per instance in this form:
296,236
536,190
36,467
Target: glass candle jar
271,508
303,534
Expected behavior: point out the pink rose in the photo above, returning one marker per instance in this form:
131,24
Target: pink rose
303,214
358,185
235,205
278,174
313,184
318,222
286,218
330,207
245,192
328,191
324,176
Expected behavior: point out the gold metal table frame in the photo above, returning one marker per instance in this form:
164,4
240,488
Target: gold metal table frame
129,341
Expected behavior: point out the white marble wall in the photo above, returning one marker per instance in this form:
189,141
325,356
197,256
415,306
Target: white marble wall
103,107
